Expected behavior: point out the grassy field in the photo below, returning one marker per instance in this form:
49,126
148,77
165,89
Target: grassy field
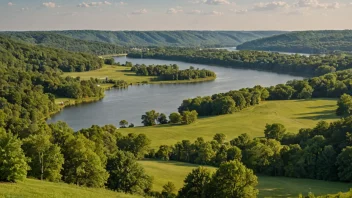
268,186
124,73
41,189
294,114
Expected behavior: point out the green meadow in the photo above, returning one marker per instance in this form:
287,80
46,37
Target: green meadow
41,189
175,172
293,114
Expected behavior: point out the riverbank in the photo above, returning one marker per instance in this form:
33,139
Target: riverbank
112,55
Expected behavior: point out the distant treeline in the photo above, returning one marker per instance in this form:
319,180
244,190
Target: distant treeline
311,42
54,40
258,60
331,85
172,72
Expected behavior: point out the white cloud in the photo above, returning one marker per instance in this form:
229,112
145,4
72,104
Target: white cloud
174,10
317,4
25,9
240,11
271,6
10,4
93,4
217,2
139,12
214,13
195,12
50,5
123,3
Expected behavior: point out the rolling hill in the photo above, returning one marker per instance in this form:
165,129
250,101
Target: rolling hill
312,42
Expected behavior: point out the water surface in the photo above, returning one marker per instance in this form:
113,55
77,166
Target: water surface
131,103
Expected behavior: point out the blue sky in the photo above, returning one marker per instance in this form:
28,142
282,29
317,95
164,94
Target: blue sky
175,14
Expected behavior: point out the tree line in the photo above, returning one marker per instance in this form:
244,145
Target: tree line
171,72
314,65
331,85
322,152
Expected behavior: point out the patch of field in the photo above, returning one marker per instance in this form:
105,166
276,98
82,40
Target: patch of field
294,114
176,172
41,189
124,73
112,72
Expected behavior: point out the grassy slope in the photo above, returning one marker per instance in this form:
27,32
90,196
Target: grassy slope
268,186
35,189
294,114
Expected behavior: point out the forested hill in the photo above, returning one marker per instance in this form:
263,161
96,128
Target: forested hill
312,42
169,38
52,39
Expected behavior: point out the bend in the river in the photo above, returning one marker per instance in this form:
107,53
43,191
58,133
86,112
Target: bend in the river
129,104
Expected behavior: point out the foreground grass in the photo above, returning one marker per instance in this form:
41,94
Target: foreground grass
41,189
124,73
294,114
176,172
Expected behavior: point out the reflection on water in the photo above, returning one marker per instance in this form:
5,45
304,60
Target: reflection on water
129,104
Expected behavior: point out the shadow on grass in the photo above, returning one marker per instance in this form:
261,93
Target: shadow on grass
319,115
173,163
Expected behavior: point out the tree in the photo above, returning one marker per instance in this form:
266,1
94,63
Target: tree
344,105
13,163
131,125
109,61
127,175
196,184
233,179
149,119
220,138
234,153
164,152
82,165
326,168
136,144
162,119
189,117
274,131
175,118
223,105
123,124
46,158
344,164
169,190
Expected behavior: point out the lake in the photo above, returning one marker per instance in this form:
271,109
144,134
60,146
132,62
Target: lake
130,104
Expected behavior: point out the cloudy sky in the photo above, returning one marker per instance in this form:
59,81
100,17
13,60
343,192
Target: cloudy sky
175,14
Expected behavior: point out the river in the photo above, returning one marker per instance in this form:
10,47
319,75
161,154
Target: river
129,104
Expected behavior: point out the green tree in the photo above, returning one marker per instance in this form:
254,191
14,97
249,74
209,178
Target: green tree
196,184
189,117
344,105
136,144
82,165
164,152
169,190
131,125
150,117
234,153
127,175
175,118
344,164
46,158
162,119
123,123
326,168
274,131
220,138
13,163
233,179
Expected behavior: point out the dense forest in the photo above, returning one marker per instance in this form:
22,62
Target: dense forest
169,38
311,42
275,62
54,40
172,72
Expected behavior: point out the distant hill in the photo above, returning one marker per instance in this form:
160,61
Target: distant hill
169,38
313,42
54,40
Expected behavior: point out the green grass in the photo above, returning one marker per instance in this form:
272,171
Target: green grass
176,172
124,73
294,114
41,189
